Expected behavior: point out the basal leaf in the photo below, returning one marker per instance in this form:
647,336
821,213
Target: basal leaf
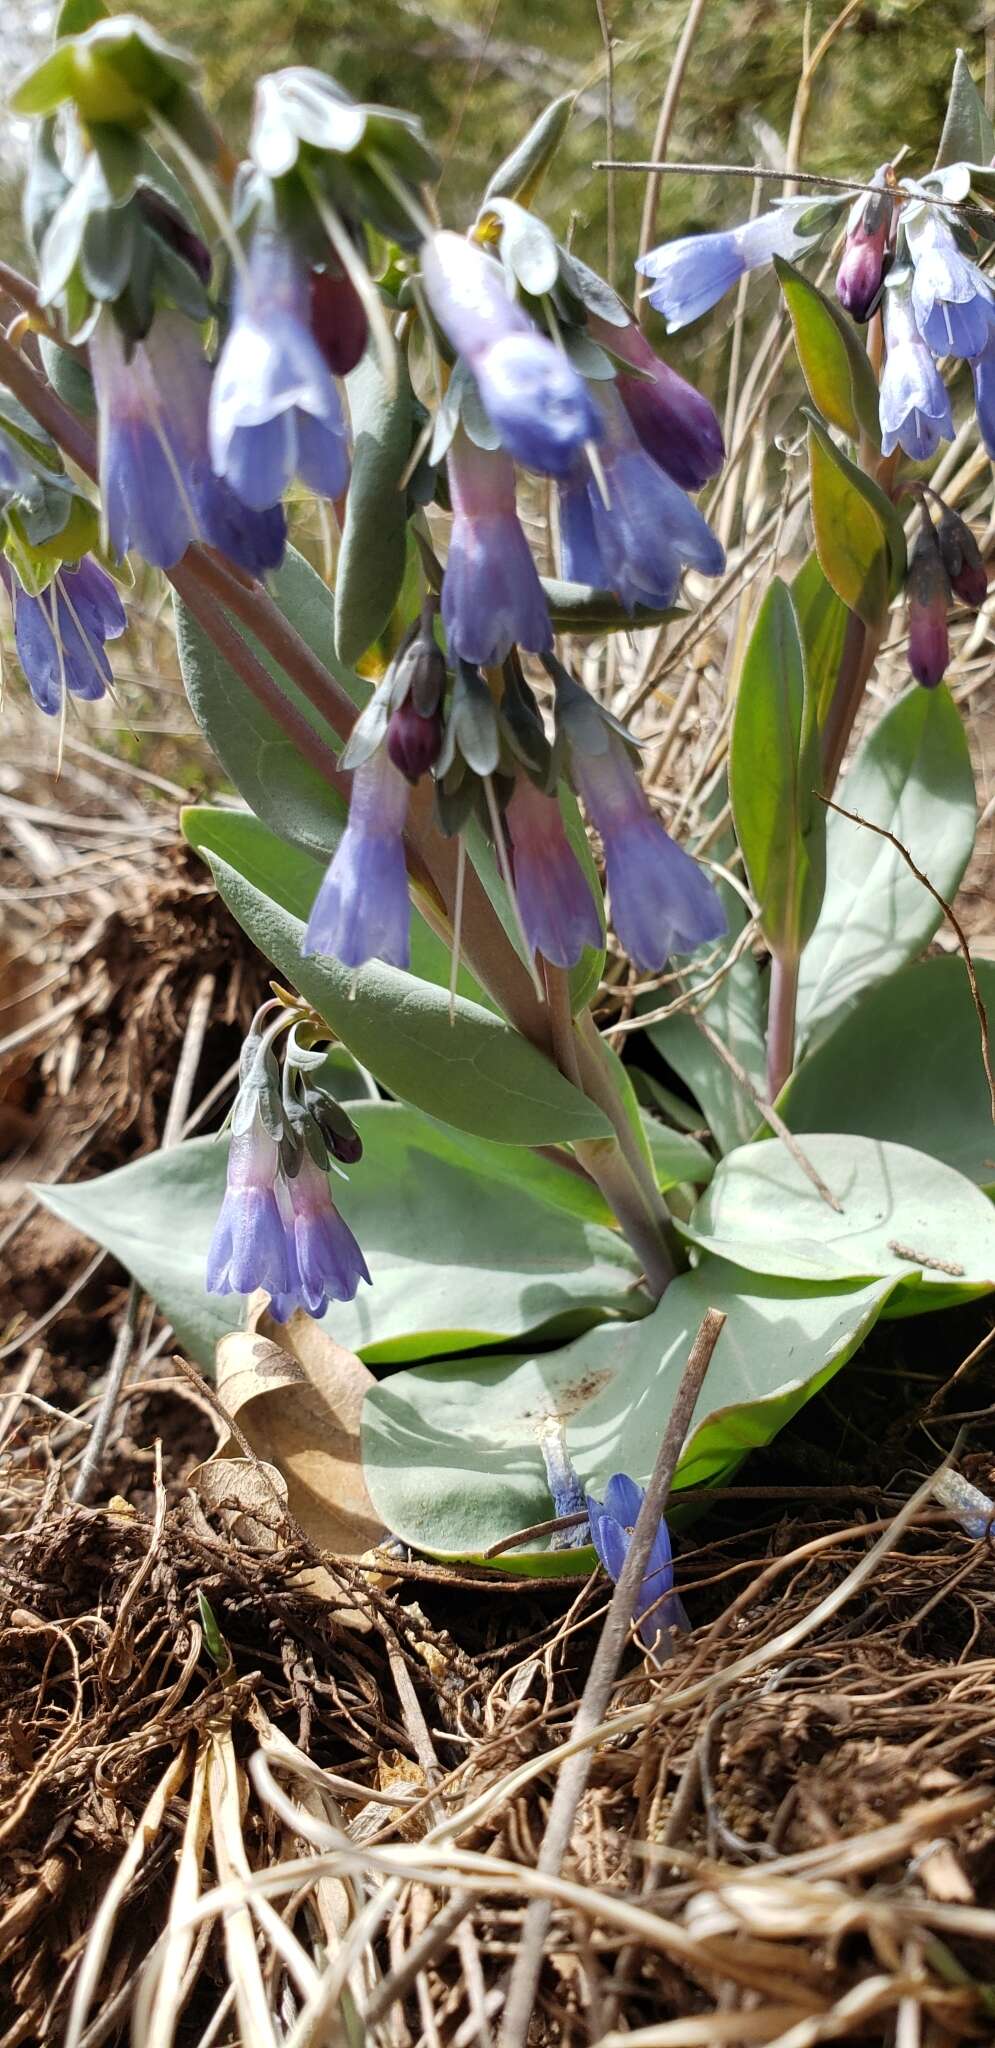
902,1216
905,1064
451,1450
467,1243
912,775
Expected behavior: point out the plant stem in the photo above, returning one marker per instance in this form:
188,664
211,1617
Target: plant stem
781,1007
615,1164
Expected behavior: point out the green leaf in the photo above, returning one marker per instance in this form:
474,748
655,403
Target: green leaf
277,783
528,249
576,608
522,172
912,775
70,379
968,136
76,15
833,358
905,1064
904,1216
371,560
822,618
773,771
475,1073
858,535
115,71
676,1156
438,1218
450,1451
292,877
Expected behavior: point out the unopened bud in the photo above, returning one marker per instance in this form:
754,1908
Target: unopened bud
420,674
866,256
338,320
414,743
928,595
962,559
336,1126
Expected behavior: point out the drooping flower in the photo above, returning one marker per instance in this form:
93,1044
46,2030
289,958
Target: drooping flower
554,897
492,598
914,400
951,298
866,251
275,409
649,530
656,1608
159,491
928,598
580,555
61,634
674,422
692,274
249,1246
362,910
661,901
324,1259
962,559
535,399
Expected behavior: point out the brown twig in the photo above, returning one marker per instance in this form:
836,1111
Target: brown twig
952,919
593,1706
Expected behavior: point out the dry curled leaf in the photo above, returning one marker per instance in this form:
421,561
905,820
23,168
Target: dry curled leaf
297,1396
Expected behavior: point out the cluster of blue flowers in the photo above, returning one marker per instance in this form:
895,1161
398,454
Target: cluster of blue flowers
608,1525
278,1228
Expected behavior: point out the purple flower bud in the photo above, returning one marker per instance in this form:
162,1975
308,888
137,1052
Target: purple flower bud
414,743
362,910
661,901
656,1608
275,410
60,635
468,294
951,299
159,492
674,422
928,596
325,1261
866,252
539,404
914,401
492,598
962,559
554,896
692,274
338,320
649,530
249,1246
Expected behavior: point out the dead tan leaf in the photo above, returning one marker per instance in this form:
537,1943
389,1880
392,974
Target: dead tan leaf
254,1493
297,1397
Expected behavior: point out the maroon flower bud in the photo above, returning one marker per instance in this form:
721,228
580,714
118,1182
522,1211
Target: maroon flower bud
414,743
168,223
338,321
928,595
866,255
962,559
